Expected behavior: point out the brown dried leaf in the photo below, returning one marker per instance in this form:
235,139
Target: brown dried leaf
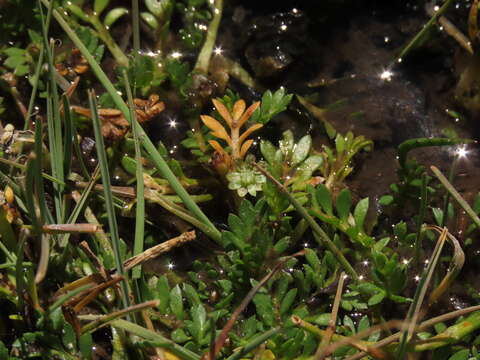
223,111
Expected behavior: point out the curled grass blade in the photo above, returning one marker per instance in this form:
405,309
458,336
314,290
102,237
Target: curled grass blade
405,147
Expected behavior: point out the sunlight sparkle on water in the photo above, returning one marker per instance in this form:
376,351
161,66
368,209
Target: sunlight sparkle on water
218,50
386,75
176,54
461,152
172,123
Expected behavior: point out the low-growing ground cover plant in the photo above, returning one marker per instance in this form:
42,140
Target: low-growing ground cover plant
155,203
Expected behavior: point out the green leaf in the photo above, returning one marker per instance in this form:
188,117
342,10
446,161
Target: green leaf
322,319
324,198
301,150
460,355
176,302
113,15
348,322
141,71
363,324
340,143
149,19
380,244
313,259
360,212
438,215
191,294
264,306
3,351
163,294
400,230
250,327
268,151
287,301
376,299
282,245
238,227
13,61
199,320
85,344
386,200
343,204
13,51
100,5
287,143
179,336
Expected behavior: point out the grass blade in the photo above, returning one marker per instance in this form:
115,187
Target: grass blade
158,339
155,156
54,121
140,203
413,311
456,196
105,320
112,220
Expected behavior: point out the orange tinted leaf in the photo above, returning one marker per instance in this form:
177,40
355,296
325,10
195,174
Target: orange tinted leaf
217,147
217,129
246,115
249,131
238,109
245,147
223,111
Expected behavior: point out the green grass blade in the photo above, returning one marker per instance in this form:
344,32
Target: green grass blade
45,213
54,121
413,311
68,136
136,28
146,142
112,219
79,206
158,339
140,203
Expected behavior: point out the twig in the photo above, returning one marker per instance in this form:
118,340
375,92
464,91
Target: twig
321,351
320,235
424,325
155,251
